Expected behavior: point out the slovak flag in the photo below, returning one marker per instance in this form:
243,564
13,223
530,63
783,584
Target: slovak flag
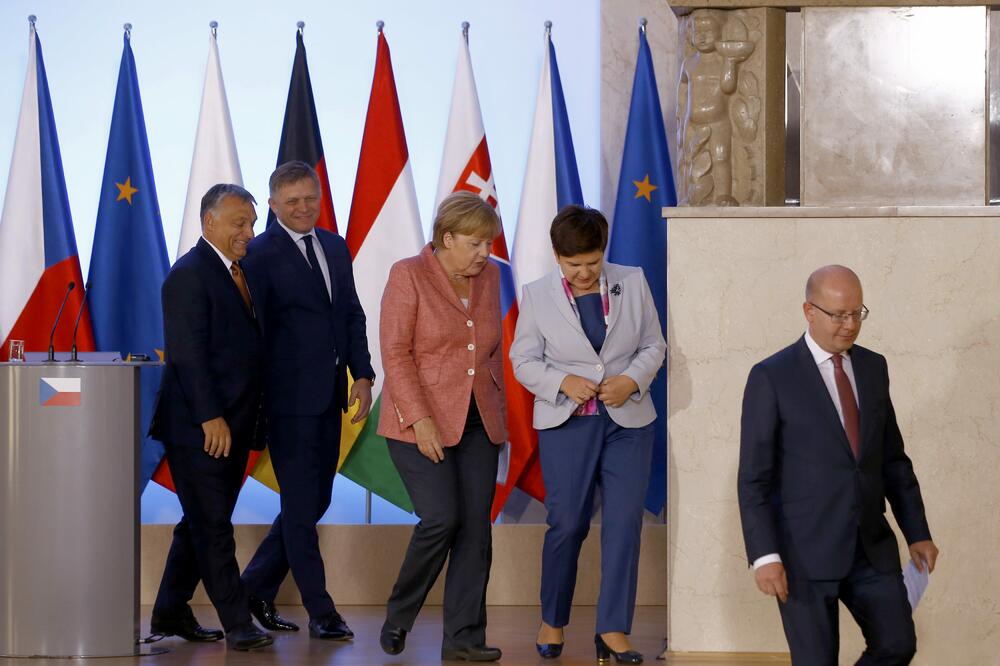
38,256
551,181
466,166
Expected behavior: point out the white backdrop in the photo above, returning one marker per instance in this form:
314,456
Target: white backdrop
82,44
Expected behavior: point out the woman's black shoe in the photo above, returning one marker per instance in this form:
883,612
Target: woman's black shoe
549,650
604,653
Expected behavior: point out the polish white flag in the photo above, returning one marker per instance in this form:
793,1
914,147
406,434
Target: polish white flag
215,159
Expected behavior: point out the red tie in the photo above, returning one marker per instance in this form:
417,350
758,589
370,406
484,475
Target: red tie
848,405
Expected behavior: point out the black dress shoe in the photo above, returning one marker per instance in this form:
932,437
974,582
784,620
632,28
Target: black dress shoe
266,614
184,625
392,639
549,650
330,628
471,653
247,636
604,653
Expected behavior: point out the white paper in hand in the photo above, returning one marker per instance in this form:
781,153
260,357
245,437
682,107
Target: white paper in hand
915,582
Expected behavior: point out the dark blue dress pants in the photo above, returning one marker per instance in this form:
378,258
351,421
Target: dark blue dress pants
304,453
578,456
878,602
203,547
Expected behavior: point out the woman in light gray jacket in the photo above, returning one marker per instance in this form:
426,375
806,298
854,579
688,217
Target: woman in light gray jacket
588,345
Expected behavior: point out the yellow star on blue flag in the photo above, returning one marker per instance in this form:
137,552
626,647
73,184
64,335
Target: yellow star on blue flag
125,190
643,188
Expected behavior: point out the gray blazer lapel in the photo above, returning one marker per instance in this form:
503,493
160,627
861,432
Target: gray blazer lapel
616,294
562,303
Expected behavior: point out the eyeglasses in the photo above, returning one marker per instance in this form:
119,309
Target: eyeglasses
842,317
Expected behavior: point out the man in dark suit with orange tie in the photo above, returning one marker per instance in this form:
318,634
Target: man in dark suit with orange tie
820,453
207,415
314,332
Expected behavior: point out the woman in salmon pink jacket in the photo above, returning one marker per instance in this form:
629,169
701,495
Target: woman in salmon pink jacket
443,415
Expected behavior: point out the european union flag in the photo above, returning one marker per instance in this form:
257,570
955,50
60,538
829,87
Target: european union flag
129,260
639,234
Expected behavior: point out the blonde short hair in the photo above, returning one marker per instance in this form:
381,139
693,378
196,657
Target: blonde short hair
465,213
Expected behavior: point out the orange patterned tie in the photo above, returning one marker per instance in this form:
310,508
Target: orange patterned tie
241,284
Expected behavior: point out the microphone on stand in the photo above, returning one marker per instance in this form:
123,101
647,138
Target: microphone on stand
76,326
52,350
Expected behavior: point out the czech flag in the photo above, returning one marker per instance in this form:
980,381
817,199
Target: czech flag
38,256
59,391
551,181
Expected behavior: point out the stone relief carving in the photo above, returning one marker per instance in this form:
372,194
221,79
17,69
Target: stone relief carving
719,108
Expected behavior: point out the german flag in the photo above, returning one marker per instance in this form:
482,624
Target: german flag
300,139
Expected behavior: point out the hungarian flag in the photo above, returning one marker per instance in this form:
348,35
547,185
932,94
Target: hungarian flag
384,227
466,166
38,256
300,138
215,161
551,181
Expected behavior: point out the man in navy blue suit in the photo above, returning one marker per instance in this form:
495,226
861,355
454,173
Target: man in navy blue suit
208,417
820,453
314,332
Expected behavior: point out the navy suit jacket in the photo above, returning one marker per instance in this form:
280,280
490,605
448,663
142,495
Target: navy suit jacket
304,332
802,494
213,355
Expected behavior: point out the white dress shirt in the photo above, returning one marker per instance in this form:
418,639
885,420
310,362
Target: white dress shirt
824,361
317,247
225,260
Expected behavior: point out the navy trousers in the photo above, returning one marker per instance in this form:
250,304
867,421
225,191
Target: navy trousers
578,456
203,547
453,500
878,602
304,452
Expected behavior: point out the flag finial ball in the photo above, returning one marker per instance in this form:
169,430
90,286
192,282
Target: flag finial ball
32,18
379,25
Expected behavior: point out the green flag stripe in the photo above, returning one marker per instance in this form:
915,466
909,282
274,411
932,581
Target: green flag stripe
369,465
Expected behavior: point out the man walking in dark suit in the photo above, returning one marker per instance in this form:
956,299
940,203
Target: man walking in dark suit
820,453
314,332
207,415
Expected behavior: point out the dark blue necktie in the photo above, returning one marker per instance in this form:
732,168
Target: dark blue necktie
314,264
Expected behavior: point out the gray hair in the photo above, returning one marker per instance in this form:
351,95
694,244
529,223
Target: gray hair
217,193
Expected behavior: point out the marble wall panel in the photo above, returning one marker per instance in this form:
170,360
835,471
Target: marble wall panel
894,106
736,288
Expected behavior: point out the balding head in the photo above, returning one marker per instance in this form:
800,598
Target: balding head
831,293
834,277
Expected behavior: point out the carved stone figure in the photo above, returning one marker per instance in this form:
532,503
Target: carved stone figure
719,108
